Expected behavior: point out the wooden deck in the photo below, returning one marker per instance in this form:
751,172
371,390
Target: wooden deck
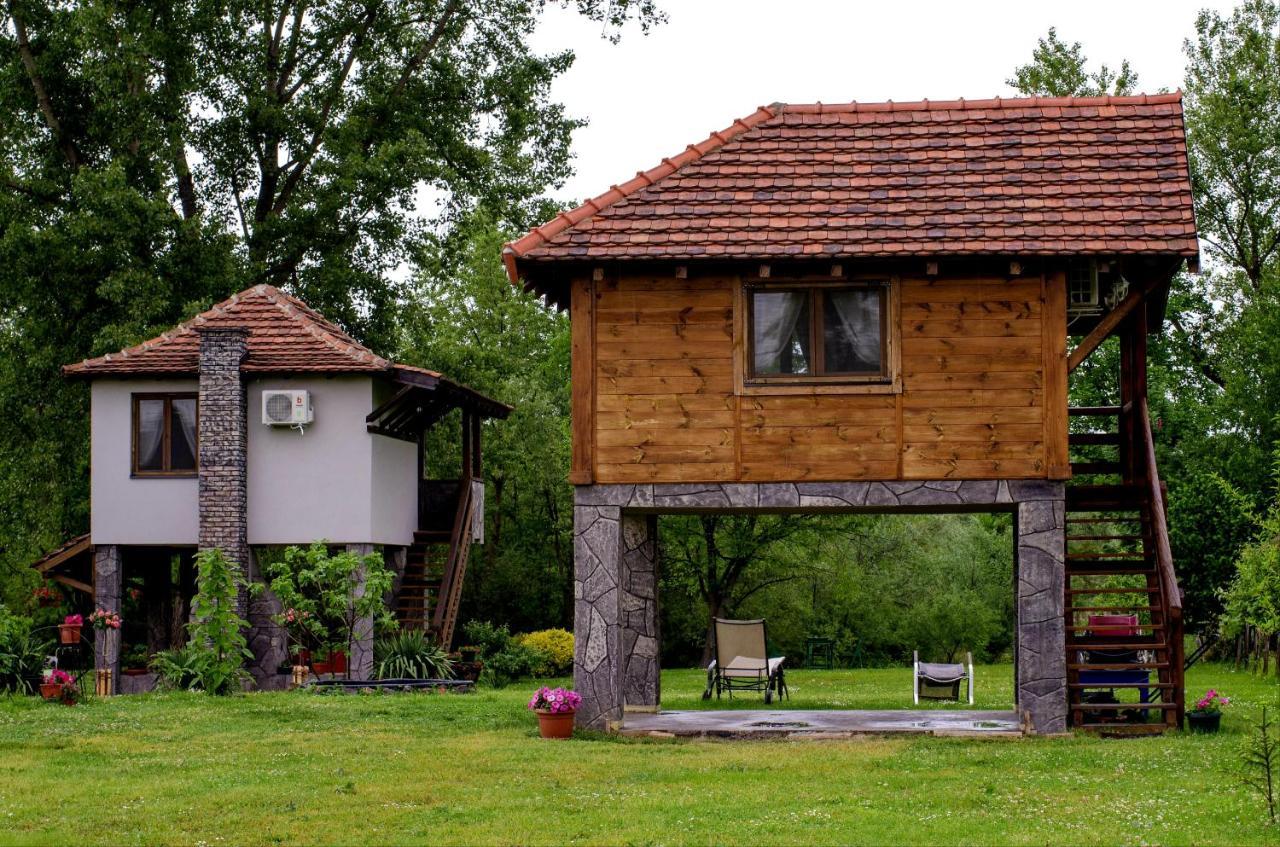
820,724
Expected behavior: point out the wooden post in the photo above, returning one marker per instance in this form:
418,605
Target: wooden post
582,380
476,467
1054,351
467,457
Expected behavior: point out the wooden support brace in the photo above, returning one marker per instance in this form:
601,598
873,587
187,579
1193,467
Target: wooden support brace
1108,325
764,271
931,268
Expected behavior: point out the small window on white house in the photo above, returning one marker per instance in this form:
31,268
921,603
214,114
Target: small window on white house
164,434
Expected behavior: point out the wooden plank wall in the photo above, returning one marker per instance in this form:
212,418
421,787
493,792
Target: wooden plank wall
974,359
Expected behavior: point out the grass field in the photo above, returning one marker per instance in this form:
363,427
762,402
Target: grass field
470,769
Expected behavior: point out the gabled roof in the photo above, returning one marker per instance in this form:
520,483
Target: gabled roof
285,336
1034,176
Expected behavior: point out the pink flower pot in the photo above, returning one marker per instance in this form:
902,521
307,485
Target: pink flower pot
555,724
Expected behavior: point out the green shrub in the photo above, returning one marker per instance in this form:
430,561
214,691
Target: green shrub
490,639
213,660
179,669
410,654
555,648
22,655
515,662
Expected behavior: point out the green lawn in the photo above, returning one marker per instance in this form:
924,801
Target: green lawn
468,769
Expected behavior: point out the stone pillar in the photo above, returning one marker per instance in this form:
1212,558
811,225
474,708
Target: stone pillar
362,649
641,640
223,449
108,573
597,650
268,641
1041,653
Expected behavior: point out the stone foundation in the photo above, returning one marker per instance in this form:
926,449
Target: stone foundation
617,641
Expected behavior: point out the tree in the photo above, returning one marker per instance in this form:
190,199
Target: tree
1058,69
729,558
467,320
1253,598
1233,132
1210,522
156,157
217,631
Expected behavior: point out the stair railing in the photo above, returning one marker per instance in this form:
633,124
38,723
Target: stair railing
446,611
1170,593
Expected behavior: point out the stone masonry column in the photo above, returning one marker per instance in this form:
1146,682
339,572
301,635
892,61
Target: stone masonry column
108,572
641,639
362,649
268,641
223,439
1041,654
597,672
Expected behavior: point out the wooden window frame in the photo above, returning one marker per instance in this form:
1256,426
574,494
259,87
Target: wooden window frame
165,435
888,381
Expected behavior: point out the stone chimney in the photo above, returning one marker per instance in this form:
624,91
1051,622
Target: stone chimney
223,442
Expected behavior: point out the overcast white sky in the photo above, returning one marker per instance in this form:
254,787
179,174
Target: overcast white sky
717,60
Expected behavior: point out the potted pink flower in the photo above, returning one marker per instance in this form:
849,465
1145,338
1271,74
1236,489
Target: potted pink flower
555,708
104,620
1207,714
69,629
58,685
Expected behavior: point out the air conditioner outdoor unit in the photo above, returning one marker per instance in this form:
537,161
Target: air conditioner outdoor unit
287,408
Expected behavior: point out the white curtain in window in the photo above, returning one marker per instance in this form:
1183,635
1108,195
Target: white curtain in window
774,315
184,412
150,432
859,324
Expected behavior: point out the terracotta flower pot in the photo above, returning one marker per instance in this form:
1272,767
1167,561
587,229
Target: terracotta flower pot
51,690
338,661
1204,721
321,668
555,724
69,633
134,671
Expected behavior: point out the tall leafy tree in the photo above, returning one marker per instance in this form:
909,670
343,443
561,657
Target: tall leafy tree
1059,69
157,156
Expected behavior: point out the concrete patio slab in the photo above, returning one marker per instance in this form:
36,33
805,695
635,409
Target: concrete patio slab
820,724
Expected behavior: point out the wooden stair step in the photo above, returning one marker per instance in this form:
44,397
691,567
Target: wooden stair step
1121,537
1147,590
1081,570
1101,520
1093,438
1094,411
1124,729
1134,609
1118,707
1104,666
1088,686
1087,628
1081,556
1095,467
1154,646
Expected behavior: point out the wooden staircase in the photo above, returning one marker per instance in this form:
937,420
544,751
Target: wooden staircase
1118,563
435,567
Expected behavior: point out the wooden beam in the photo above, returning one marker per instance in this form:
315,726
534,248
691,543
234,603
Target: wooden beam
71,550
1108,325
73,583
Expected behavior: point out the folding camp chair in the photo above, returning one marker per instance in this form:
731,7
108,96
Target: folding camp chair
935,681
742,661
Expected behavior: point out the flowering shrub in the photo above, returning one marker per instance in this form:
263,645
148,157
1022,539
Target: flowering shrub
73,620
102,619
46,594
558,701
1211,703
555,651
